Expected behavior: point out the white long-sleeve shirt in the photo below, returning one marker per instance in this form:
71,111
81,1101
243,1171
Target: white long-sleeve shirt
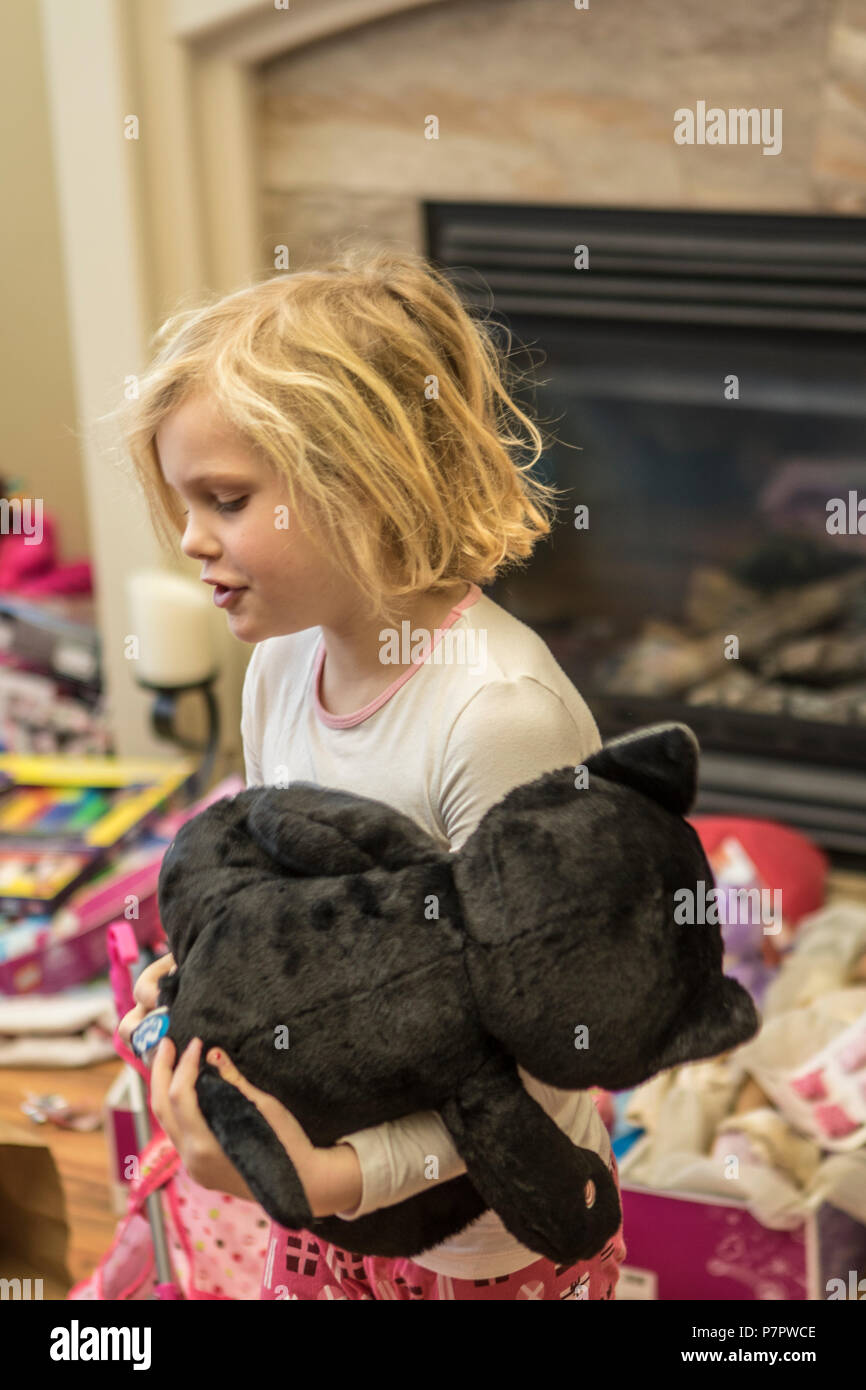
443,743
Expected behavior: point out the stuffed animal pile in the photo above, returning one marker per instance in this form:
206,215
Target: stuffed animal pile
359,973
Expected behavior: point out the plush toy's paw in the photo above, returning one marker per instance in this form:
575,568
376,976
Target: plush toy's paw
247,1139
555,1198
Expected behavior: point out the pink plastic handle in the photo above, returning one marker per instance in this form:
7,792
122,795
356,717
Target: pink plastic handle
122,953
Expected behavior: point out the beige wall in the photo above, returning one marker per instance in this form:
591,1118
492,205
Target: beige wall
39,422
126,217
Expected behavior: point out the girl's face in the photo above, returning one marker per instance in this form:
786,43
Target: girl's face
240,526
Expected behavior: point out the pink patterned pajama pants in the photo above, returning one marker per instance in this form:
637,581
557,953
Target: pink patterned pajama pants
301,1266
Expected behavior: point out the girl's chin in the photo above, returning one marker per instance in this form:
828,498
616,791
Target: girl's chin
238,606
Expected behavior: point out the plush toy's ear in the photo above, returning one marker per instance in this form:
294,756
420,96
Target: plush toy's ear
661,762
312,831
292,826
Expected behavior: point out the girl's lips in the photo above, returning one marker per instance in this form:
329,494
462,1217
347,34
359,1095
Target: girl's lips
222,597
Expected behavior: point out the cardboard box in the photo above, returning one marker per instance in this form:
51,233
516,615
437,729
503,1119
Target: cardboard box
34,1231
680,1246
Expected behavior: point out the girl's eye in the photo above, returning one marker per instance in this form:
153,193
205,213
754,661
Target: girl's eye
234,506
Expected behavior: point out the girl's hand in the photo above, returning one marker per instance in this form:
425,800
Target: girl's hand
175,1105
146,995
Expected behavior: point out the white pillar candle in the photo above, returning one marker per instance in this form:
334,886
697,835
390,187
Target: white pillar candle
172,619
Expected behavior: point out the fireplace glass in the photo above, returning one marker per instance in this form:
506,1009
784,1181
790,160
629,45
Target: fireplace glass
702,578
700,379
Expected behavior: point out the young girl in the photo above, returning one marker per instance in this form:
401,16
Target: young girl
335,447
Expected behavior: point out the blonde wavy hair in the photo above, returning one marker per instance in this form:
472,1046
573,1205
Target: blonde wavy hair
383,402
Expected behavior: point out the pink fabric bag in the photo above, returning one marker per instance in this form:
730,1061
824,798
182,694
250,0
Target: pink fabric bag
217,1242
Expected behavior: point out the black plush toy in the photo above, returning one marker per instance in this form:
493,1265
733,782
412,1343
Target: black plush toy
410,978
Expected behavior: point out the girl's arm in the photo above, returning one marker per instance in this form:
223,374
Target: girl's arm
375,1167
388,1163
385,1164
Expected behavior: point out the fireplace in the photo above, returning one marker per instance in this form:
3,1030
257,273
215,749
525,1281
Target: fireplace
704,376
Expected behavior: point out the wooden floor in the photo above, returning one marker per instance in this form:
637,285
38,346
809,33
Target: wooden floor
82,1159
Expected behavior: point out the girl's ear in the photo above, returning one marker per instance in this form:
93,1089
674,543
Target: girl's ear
661,762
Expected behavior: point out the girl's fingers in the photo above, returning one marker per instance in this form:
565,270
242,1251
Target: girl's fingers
129,1022
146,988
229,1072
160,1078
185,1073
284,1124
163,1060
174,1093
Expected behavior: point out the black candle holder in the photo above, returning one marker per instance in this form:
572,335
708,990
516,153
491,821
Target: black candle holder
162,720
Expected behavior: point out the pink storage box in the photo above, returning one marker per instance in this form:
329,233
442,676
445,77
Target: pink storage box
83,954
75,959
686,1247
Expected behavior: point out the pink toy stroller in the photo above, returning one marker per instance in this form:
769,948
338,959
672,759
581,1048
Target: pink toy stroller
177,1240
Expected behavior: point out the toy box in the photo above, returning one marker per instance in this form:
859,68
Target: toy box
56,963
84,803
685,1247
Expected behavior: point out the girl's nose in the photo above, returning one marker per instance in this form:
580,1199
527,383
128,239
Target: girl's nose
197,543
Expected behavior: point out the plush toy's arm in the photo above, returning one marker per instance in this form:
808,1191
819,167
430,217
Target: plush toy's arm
557,1199
248,1140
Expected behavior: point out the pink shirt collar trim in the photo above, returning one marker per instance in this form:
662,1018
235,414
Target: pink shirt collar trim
346,721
